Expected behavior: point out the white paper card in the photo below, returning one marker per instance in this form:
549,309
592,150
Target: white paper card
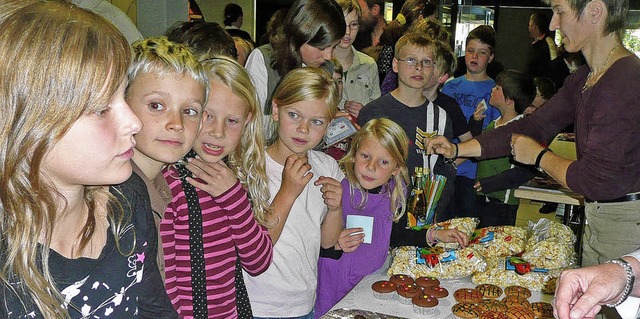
364,222
483,106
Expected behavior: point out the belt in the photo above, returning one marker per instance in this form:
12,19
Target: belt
626,198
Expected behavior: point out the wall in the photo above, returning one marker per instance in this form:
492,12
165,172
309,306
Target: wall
156,16
213,11
130,7
513,36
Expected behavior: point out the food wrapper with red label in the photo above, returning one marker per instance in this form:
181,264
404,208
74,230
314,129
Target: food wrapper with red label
435,262
499,241
509,271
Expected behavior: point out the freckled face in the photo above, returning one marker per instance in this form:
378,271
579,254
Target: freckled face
373,165
170,108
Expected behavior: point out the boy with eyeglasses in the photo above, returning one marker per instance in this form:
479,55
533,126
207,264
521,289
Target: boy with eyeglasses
414,62
472,91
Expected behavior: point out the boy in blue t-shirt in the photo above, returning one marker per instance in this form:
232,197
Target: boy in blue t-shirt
469,91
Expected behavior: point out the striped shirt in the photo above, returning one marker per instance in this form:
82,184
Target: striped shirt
227,225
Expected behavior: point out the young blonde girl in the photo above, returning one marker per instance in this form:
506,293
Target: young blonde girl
305,195
376,175
374,187
210,224
70,246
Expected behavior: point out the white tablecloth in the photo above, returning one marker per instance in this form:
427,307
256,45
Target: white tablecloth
361,298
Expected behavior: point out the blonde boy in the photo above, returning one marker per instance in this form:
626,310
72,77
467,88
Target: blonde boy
167,90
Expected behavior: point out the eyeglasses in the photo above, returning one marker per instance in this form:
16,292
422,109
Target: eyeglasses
355,25
414,62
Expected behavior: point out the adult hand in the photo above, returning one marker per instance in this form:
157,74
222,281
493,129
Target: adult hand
331,192
217,177
439,144
349,240
582,292
353,108
525,149
296,175
477,186
451,236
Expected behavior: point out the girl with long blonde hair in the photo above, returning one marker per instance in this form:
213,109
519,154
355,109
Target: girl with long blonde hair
220,201
71,246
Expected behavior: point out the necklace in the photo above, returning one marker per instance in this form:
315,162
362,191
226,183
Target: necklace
592,78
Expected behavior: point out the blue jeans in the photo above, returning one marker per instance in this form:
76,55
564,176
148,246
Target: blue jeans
307,316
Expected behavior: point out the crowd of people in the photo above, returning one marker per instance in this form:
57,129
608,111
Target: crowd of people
186,175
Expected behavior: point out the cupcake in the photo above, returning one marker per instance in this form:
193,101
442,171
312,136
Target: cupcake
436,291
424,305
427,282
493,315
542,309
384,290
401,279
407,292
519,313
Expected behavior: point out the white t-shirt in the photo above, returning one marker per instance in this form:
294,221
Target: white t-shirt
288,287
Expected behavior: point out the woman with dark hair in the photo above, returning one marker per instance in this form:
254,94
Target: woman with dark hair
310,32
233,19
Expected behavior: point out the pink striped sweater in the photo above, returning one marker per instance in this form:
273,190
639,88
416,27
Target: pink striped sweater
228,224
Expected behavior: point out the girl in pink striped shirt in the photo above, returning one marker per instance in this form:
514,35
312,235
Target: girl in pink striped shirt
220,201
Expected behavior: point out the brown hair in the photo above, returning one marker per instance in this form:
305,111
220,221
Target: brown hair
39,104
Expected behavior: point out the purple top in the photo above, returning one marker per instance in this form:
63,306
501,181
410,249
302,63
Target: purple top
606,118
337,277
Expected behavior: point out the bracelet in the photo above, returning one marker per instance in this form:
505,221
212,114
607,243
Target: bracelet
539,158
631,278
454,158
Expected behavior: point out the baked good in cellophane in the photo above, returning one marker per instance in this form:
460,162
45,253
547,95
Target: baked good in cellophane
550,245
435,262
464,224
499,241
498,273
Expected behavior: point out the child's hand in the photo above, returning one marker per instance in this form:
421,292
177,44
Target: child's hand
331,192
477,186
217,177
353,108
451,236
478,114
296,175
348,242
